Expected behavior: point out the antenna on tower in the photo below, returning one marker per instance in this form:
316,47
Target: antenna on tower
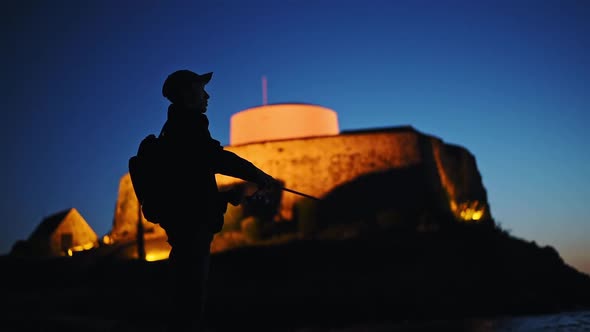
264,96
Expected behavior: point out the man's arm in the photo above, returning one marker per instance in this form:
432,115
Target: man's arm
230,164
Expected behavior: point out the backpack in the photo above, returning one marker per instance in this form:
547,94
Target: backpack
146,170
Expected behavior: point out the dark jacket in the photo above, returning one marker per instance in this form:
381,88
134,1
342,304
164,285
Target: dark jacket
192,157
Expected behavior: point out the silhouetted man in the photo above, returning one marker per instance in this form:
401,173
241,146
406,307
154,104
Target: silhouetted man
194,208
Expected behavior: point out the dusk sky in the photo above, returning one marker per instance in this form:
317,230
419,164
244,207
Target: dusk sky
507,80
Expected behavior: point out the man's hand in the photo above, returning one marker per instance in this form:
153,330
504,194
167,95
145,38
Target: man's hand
266,182
234,195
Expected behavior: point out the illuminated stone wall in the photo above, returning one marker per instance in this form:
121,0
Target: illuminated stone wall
127,215
316,166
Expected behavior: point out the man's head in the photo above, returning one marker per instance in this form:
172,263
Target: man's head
187,88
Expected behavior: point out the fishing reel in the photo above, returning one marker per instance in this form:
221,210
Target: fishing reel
262,203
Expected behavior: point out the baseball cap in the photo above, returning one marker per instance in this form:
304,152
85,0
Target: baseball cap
182,78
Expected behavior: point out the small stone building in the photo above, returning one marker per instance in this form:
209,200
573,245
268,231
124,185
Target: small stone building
60,234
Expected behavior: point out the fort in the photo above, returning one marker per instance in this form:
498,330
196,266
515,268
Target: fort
377,175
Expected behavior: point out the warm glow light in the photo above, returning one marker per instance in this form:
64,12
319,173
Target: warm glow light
107,240
477,215
468,211
82,247
157,255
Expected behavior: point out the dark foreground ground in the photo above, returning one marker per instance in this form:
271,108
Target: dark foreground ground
379,282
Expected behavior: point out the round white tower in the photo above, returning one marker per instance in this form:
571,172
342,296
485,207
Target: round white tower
282,121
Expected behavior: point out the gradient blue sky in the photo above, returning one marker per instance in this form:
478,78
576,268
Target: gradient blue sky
508,80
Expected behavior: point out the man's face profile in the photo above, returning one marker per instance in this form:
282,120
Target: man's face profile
195,97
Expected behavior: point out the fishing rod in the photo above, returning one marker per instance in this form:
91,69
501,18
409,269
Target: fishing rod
299,193
259,195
